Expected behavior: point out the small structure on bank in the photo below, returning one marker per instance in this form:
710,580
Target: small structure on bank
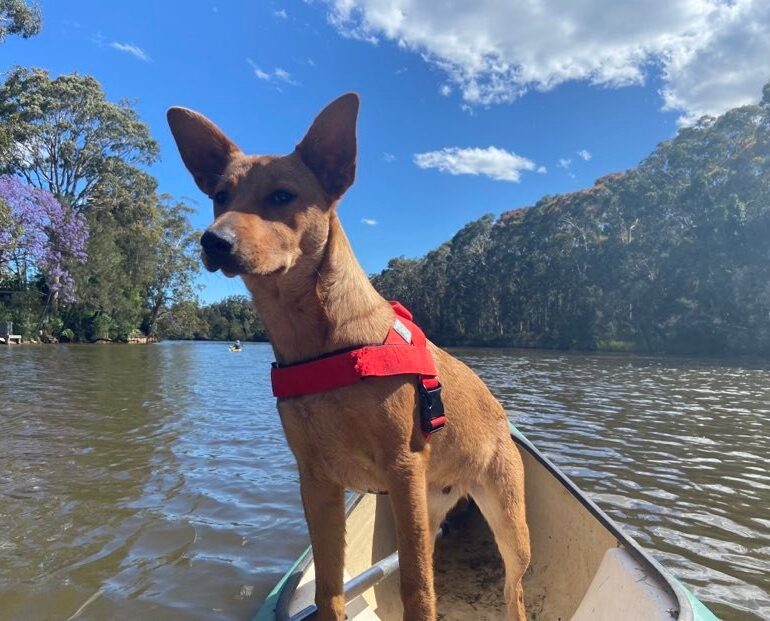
7,337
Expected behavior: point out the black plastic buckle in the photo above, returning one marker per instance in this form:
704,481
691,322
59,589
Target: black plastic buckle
432,417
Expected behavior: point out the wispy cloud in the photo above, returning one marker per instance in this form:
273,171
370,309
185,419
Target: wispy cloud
564,163
261,74
585,155
491,162
283,76
281,14
278,74
388,157
130,48
445,90
369,221
542,170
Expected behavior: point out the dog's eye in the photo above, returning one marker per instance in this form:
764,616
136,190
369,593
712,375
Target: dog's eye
220,198
280,197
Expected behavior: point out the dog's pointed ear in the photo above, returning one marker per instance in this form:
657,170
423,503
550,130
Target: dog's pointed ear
205,150
329,147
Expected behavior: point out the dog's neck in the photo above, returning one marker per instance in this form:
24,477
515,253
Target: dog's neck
321,307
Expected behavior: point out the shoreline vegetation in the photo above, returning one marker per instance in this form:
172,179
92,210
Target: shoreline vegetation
672,256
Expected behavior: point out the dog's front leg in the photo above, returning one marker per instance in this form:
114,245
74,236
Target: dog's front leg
324,505
415,545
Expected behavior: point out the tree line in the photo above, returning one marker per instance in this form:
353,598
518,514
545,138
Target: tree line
233,318
672,256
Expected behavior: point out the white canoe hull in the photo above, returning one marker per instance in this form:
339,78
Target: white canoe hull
583,566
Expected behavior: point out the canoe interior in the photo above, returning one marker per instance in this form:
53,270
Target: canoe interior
581,568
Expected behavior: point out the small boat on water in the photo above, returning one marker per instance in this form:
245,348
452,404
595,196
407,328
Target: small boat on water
584,567
234,348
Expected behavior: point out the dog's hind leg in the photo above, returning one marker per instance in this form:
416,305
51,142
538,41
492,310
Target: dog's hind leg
440,501
500,496
324,505
407,488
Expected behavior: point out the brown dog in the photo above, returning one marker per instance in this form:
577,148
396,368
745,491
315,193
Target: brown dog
276,226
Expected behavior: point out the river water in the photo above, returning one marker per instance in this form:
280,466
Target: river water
144,482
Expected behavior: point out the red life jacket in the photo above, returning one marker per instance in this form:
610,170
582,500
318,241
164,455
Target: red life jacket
404,352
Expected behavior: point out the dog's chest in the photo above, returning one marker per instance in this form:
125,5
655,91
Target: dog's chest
332,443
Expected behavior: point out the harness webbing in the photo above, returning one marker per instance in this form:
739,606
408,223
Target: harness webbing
404,352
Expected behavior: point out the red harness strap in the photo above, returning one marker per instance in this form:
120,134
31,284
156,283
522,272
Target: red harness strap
404,352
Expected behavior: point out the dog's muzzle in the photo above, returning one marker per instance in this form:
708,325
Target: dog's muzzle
218,249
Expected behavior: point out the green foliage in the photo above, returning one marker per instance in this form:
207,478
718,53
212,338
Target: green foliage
23,309
18,17
671,256
233,318
141,252
66,335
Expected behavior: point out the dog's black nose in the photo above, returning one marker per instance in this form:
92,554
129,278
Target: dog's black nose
217,244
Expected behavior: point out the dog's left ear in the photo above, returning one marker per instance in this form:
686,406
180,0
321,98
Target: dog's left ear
329,147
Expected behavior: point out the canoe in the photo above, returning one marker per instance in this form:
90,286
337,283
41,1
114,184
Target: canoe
583,565
231,348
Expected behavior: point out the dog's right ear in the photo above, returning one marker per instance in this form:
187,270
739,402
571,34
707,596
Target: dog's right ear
329,147
205,150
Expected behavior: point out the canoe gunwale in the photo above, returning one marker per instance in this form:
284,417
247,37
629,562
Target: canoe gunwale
284,590
639,554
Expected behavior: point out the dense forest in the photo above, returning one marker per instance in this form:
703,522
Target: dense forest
672,256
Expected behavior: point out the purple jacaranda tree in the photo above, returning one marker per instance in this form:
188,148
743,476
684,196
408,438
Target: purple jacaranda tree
40,235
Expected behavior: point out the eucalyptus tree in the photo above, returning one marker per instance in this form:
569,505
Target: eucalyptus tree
66,137
18,17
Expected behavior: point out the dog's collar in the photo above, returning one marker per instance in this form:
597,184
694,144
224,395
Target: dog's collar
404,352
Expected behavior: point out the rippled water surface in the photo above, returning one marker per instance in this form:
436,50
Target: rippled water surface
154,481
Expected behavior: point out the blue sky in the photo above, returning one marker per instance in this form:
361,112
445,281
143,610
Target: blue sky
472,108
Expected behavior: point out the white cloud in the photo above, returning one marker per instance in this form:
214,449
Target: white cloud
369,221
584,155
261,74
712,54
388,157
276,75
542,170
445,90
728,69
492,162
281,14
564,162
130,48
283,75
